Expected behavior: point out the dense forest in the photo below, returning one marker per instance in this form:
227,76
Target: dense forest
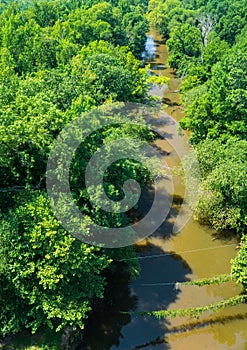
60,59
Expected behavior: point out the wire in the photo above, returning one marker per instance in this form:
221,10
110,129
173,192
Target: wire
176,253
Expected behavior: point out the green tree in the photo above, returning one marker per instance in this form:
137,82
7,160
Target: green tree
232,21
222,202
184,43
214,51
110,74
45,12
135,27
220,106
53,276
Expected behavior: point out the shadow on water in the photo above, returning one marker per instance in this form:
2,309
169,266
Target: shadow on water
169,102
161,151
165,230
160,42
190,327
103,329
225,236
110,329
157,66
223,320
153,296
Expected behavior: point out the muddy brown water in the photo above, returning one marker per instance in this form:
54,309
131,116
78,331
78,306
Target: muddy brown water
195,254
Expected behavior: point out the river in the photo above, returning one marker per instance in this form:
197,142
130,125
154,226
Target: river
193,253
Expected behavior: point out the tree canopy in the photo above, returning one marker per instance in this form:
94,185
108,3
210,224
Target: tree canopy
60,59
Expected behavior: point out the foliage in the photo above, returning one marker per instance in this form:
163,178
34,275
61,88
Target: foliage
239,264
53,276
58,60
184,43
158,80
166,15
43,35
209,281
196,311
39,263
222,200
42,103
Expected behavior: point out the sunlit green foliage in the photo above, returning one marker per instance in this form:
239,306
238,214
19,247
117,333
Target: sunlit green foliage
58,60
223,192
52,275
220,107
239,264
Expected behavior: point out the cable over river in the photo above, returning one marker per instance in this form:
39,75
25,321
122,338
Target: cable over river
166,259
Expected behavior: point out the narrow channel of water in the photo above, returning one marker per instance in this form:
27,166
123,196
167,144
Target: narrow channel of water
196,255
